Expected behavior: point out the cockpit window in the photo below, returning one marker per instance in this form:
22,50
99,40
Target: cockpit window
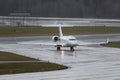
72,39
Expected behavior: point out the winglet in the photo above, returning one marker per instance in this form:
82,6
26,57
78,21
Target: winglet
107,40
60,31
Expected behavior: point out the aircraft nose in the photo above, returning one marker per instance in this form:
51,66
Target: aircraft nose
73,42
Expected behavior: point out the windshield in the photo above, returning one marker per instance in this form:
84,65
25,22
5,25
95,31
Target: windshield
72,39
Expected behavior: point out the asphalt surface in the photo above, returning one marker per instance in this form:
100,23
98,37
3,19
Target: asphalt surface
92,62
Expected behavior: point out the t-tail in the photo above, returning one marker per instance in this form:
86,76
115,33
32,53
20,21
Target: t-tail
60,31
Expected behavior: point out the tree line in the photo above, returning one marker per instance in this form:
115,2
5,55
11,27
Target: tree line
62,8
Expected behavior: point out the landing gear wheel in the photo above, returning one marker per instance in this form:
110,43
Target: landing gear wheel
72,48
58,49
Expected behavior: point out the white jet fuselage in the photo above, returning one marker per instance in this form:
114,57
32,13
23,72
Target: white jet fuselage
68,41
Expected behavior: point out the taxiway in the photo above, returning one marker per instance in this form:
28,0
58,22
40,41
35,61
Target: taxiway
86,63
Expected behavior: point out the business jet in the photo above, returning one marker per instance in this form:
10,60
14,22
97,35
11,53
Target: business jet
65,41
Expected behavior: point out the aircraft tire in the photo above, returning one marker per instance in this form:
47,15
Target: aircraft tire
58,48
72,48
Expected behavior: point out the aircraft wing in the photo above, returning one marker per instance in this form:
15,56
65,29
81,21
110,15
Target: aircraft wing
50,43
90,43
38,43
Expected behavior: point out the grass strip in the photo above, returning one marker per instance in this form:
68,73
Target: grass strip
7,56
13,68
112,44
38,31
24,67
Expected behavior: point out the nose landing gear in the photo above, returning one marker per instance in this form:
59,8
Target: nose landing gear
58,48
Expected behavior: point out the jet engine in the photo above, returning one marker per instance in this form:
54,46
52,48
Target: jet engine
55,38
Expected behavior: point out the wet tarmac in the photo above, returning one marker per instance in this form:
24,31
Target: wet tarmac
92,62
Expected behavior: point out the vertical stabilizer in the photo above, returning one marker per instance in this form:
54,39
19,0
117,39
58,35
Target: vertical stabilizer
60,31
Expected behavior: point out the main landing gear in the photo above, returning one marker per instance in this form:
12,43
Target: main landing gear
72,48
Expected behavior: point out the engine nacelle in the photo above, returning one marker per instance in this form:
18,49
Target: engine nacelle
55,38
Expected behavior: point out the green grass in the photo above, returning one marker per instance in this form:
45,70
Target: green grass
112,44
24,67
91,30
38,31
26,31
13,68
6,56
